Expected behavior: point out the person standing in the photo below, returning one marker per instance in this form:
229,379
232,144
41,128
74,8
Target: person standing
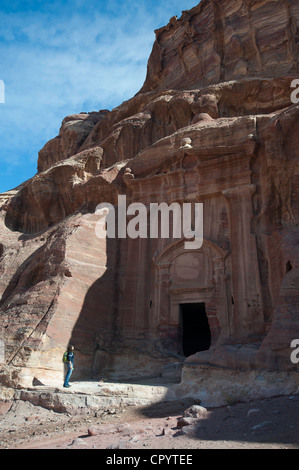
70,365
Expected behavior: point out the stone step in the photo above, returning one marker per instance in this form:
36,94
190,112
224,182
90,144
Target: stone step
86,397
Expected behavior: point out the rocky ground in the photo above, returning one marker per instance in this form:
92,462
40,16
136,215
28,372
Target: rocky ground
265,424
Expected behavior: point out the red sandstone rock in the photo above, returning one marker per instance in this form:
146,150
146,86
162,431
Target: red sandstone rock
221,41
213,123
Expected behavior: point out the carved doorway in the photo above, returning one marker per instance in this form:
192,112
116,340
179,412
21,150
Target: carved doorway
194,279
194,328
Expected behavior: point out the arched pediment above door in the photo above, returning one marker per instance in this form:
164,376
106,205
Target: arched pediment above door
177,248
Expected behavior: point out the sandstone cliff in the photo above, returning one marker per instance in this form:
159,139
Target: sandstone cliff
220,76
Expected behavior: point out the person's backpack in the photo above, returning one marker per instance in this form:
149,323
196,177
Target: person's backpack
64,357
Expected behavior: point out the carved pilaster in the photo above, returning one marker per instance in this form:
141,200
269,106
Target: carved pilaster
248,312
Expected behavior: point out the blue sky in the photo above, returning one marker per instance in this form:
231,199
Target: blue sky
64,57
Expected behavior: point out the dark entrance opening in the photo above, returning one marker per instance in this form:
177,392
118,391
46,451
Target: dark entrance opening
195,329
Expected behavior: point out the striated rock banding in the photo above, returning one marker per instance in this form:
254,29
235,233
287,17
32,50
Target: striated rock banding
213,123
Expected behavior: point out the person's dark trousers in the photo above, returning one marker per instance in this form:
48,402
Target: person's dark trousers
67,377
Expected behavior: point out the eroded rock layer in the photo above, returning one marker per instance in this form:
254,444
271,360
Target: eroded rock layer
213,123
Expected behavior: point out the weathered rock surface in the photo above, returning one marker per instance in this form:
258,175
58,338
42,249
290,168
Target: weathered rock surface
221,41
73,132
213,123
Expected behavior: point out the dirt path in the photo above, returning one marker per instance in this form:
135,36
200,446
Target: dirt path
265,424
